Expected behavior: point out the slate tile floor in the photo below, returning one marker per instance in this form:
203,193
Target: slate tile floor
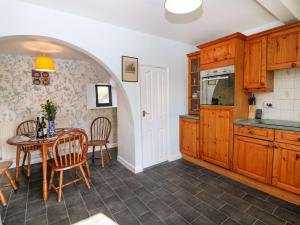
168,194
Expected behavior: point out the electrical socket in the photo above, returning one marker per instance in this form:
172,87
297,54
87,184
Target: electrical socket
270,104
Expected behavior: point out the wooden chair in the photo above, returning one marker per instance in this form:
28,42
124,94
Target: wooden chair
100,131
4,166
69,152
26,127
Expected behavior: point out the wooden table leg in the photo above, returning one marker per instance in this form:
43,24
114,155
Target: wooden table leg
44,162
18,152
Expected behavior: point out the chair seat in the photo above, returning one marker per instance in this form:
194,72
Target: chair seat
5,165
97,143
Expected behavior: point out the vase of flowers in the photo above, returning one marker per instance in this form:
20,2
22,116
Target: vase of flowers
50,110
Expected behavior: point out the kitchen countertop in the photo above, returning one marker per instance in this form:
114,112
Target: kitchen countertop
187,116
272,124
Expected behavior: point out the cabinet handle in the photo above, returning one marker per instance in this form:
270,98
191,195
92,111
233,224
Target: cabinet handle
250,132
284,159
298,139
297,156
293,65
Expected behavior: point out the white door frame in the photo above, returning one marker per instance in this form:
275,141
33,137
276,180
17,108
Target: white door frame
168,110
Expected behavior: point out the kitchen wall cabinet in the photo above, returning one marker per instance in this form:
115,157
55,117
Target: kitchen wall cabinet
216,135
284,49
253,158
286,168
256,76
189,136
194,83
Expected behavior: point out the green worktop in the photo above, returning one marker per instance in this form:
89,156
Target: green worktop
272,124
187,116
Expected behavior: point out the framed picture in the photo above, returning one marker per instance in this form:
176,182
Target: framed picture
40,78
103,95
129,69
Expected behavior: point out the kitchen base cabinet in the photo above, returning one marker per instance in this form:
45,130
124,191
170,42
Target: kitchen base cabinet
216,135
253,158
189,136
286,167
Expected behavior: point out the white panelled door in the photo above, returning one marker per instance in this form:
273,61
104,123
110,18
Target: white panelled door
154,112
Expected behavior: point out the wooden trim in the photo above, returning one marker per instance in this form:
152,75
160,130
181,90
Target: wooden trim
279,193
275,29
193,54
226,38
213,65
214,107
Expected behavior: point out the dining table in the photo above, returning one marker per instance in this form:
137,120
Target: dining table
44,144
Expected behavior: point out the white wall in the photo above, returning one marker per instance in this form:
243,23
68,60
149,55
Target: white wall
108,43
285,98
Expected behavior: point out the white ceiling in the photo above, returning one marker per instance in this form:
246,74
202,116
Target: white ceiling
216,18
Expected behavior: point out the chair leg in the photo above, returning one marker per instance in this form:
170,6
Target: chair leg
101,155
2,199
51,178
93,155
108,152
88,168
61,175
24,158
28,164
11,181
18,152
85,180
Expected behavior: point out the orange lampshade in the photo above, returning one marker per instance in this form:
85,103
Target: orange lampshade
43,63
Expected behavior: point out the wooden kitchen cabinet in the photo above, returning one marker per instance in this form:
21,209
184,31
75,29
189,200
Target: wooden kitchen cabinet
216,135
256,76
253,158
283,49
189,136
286,167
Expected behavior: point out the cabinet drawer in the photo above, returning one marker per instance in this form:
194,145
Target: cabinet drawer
255,132
289,137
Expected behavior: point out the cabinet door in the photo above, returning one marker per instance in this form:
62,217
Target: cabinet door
286,167
189,137
283,49
216,130
255,65
253,158
218,52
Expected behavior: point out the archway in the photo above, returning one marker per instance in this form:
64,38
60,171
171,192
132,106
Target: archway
125,127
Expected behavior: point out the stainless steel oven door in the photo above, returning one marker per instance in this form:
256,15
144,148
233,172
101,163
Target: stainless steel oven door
217,90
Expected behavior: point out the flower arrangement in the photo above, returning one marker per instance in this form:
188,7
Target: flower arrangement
50,109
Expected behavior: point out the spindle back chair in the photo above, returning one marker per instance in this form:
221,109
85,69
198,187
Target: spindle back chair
26,127
69,151
100,131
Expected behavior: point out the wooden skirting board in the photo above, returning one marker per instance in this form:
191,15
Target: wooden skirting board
279,193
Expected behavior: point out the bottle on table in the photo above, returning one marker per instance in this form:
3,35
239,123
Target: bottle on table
39,129
44,126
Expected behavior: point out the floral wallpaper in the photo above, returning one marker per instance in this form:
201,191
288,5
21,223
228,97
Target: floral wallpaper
20,99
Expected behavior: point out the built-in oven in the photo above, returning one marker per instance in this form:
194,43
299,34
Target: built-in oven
217,86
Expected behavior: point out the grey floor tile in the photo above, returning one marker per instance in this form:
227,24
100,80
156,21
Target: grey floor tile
103,209
287,215
193,189
133,183
92,201
56,213
235,202
165,196
77,213
114,182
171,187
211,213
187,197
126,218
144,195
230,222
160,208
175,219
231,189
39,220
206,179
210,200
284,204
114,204
264,216
258,222
211,189
64,221
150,218
20,193
202,220
136,206
124,192
105,191
35,209
237,215
254,192
267,206
184,210
73,200
16,207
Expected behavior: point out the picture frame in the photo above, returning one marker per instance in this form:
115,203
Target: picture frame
129,69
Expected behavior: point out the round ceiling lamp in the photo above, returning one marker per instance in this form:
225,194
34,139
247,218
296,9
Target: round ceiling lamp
43,63
182,6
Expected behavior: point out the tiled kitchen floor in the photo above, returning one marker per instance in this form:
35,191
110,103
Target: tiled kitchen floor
172,193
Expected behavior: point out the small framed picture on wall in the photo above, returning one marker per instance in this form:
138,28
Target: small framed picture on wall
129,69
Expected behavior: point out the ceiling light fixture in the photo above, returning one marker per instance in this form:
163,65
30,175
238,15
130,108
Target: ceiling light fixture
182,6
43,63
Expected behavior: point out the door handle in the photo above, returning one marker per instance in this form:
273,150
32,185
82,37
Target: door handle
144,113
